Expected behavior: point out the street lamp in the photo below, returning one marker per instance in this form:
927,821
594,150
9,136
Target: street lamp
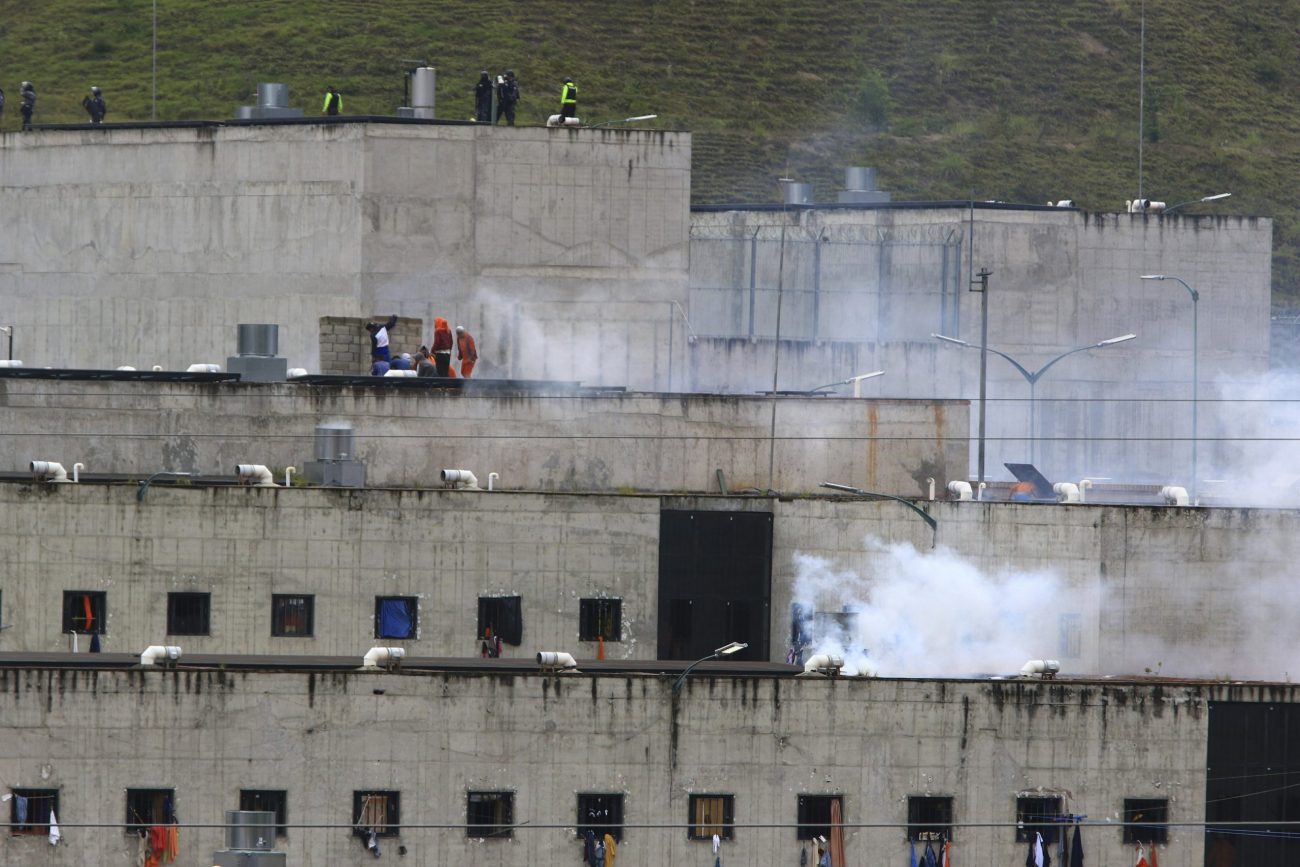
144,486
724,650
624,120
1032,377
854,380
1196,297
1212,198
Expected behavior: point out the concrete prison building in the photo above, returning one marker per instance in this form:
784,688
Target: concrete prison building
575,255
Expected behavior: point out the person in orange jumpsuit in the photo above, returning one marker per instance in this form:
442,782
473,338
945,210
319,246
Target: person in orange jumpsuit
442,344
466,351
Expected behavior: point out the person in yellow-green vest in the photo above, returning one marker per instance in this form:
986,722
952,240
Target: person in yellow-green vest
569,99
333,101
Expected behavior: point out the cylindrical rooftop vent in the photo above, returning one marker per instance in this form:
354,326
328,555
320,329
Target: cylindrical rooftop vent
423,81
335,442
798,194
272,95
250,830
859,178
259,340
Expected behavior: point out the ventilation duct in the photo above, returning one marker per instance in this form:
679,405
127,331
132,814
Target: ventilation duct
860,187
250,841
272,102
335,452
257,361
424,82
798,194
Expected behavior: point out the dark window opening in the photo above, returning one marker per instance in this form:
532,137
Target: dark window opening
489,814
1146,820
600,618
600,814
377,811
149,807
292,616
929,818
188,613
1037,815
84,611
396,616
29,810
679,628
815,815
269,801
501,617
711,814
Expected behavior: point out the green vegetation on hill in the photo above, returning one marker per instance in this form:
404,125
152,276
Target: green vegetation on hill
1019,100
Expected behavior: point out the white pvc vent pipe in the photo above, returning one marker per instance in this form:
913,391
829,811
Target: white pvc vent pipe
460,479
155,653
961,490
556,659
382,656
823,663
49,471
1175,495
1044,667
203,368
1067,492
258,475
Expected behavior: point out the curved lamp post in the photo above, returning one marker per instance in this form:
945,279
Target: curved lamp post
1212,198
624,120
144,486
852,380
1032,377
725,650
1196,298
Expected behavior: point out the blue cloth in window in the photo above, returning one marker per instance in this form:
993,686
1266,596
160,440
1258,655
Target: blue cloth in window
394,619
20,809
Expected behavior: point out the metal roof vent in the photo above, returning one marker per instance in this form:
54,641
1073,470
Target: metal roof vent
335,464
272,101
798,194
860,187
257,346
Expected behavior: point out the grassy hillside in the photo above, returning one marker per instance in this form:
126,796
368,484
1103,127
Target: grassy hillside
1021,100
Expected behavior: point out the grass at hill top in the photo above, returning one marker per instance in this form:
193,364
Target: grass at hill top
1019,100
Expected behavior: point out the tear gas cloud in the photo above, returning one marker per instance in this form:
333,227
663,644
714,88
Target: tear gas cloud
936,614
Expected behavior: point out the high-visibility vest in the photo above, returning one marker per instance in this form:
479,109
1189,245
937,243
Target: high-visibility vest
569,94
328,97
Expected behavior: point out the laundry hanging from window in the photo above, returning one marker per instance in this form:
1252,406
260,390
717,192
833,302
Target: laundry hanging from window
501,617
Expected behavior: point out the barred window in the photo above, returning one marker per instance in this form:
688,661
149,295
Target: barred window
600,618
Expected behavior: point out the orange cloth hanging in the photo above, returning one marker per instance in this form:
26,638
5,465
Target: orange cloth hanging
90,613
173,842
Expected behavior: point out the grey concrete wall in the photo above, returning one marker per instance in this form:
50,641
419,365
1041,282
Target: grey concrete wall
433,737
1197,592
1062,279
561,250
544,440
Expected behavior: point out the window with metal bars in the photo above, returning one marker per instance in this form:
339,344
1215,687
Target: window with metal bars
292,616
815,815
709,815
1146,820
501,617
270,801
929,818
30,809
84,611
376,810
188,613
149,807
489,814
600,618
1037,814
600,814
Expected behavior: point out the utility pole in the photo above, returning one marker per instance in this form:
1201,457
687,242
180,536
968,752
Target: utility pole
983,281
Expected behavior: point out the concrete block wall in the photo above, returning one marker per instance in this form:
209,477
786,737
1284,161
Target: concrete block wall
1185,592
516,233
580,441
1062,279
435,736
345,343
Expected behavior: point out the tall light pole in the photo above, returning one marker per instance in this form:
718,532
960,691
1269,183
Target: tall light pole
153,101
1196,298
983,275
1033,376
1212,198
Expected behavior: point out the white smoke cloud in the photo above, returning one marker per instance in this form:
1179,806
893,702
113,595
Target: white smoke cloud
927,613
1259,461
